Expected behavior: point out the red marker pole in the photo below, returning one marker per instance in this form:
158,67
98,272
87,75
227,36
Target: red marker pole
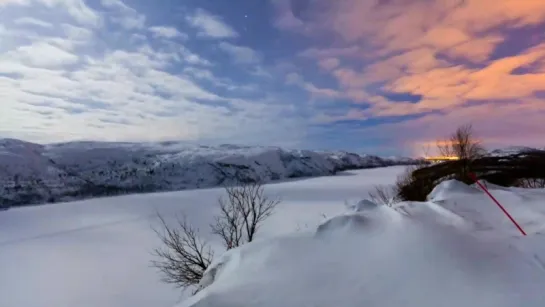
474,177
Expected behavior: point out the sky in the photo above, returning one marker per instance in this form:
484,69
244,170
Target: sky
378,76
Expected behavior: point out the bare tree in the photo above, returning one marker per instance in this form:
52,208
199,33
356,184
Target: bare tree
426,150
184,256
241,214
228,224
461,144
384,195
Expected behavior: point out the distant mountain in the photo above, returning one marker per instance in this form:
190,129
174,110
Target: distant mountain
512,150
34,174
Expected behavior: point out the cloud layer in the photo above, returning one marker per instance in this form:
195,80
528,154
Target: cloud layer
384,76
479,61
69,71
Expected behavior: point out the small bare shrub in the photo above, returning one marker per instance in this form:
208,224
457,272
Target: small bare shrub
384,195
245,208
184,257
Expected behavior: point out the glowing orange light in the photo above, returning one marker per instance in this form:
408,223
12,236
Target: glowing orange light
442,158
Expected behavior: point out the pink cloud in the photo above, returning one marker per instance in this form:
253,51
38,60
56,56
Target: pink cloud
322,92
497,126
329,63
441,50
350,78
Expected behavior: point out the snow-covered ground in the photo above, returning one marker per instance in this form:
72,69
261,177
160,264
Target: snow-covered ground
97,252
458,249
455,250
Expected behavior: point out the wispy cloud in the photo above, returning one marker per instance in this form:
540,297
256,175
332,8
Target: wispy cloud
40,54
32,22
18,2
166,32
209,25
124,15
332,52
329,63
240,54
77,9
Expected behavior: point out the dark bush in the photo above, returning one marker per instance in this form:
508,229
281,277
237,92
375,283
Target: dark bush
414,188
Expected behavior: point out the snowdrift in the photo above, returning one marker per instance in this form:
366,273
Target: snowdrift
32,173
97,252
455,250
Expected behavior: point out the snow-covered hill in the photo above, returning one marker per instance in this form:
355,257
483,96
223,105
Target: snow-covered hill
32,173
458,249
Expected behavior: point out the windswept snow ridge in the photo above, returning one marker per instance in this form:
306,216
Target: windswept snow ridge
414,254
33,174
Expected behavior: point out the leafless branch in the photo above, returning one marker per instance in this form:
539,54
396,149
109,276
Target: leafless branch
462,144
241,214
384,195
184,256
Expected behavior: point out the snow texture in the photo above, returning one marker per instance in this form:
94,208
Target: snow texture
454,250
415,254
34,174
97,252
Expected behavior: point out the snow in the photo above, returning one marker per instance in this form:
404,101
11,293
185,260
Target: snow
97,252
456,249
36,174
449,187
414,254
380,260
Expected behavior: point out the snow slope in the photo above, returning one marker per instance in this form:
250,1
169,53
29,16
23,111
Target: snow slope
458,251
454,250
97,252
33,174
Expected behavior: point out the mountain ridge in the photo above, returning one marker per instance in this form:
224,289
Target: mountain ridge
35,174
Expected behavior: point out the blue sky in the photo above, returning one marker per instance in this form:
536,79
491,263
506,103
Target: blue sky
381,77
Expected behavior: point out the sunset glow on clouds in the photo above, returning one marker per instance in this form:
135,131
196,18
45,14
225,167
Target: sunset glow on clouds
382,76
477,61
